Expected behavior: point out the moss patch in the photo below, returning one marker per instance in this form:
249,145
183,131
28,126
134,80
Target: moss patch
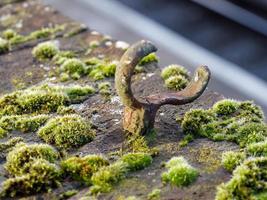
45,51
67,131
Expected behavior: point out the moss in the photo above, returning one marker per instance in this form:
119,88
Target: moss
176,82
194,119
68,194
137,161
62,56
173,70
260,196
94,44
149,59
73,67
8,34
248,178
258,149
225,107
106,177
138,144
104,88
42,176
67,131
82,168
45,51
231,159
63,110
45,32
187,139
5,147
77,93
23,123
64,77
17,39
19,160
3,133
179,173
4,47
154,194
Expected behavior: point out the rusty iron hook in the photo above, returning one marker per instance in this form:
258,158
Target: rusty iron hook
139,117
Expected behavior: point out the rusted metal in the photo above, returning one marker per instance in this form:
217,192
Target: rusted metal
139,117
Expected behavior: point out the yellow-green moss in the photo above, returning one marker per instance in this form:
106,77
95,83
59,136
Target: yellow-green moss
8,34
41,176
136,161
106,177
104,88
7,146
67,131
45,50
231,159
68,194
74,67
179,173
258,149
186,139
82,168
154,194
3,133
23,123
4,47
77,93
174,70
19,160
176,82
149,59
248,178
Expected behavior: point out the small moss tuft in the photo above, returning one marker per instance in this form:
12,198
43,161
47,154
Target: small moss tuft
231,159
67,131
104,88
4,46
74,67
258,149
3,133
82,168
154,194
225,107
137,161
9,33
5,147
45,51
149,59
176,82
187,139
179,173
174,70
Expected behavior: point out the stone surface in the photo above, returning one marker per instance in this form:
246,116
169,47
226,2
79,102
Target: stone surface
18,69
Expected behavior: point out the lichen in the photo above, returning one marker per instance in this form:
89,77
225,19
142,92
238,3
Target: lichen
19,160
45,50
67,131
248,178
179,172
82,168
231,159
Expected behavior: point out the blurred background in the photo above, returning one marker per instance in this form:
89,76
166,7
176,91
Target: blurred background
230,36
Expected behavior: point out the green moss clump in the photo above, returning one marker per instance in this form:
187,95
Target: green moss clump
149,59
45,51
62,56
240,122
5,147
106,177
258,149
176,82
82,168
4,46
67,131
187,139
3,133
8,34
19,160
74,67
77,93
104,88
194,120
137,161
179,173
174,70
68,194
260,196
248,178
154,194
42,175
23,123
231,159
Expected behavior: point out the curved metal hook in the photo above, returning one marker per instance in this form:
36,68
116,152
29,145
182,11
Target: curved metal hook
139,116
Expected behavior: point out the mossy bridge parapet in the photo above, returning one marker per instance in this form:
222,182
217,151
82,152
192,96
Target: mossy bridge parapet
62,96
